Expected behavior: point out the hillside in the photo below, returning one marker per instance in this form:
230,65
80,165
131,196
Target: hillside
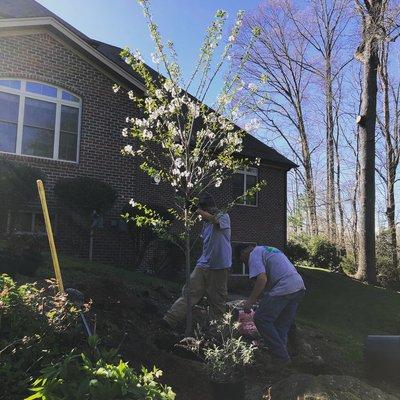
333,320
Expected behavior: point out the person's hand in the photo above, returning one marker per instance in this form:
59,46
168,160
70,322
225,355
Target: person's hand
247,306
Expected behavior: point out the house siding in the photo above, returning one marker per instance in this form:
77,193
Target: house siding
41,57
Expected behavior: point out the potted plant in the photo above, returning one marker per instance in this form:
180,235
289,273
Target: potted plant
225,359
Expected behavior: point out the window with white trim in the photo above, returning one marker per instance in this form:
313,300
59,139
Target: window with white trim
242,181
239,267
24,222
39,120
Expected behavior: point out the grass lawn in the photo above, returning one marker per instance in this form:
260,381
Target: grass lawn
344,310
347,310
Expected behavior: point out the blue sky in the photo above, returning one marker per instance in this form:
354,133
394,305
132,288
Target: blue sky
121,23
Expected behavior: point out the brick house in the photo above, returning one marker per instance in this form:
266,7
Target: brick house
58,113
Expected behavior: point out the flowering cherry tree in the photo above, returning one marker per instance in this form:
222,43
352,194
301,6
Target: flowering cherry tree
179,140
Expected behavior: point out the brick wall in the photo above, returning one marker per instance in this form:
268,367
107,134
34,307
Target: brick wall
41,57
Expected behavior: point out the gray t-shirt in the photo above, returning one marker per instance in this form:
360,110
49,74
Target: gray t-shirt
282,276
217,250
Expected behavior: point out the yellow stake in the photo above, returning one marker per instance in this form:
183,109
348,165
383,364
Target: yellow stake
50,236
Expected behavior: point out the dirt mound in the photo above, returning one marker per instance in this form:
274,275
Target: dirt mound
324,387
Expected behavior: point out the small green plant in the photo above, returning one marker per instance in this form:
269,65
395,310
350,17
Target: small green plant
77,377
33,327
229,354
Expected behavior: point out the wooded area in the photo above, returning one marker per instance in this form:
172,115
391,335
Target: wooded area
323,81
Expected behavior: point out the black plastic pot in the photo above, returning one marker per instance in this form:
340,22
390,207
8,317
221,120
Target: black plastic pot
228,391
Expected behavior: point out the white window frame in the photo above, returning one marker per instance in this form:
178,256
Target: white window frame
33,218
243,264
251,171
22,93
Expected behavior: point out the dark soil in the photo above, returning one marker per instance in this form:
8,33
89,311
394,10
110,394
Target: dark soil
129,319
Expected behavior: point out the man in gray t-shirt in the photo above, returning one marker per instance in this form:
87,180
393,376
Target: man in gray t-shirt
284,288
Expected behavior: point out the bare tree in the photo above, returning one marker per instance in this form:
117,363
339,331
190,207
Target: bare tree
373,14
389,126
277,65
324,29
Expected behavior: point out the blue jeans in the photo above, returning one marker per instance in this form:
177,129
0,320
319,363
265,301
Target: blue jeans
273,319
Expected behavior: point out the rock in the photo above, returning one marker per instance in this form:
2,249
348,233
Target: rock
324,387
316,365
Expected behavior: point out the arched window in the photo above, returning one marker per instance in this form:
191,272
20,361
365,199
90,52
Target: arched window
39,120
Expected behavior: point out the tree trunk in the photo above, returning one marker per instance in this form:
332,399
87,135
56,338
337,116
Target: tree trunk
309,178
366,262
330,157
391,215
339,195
391,160
189,311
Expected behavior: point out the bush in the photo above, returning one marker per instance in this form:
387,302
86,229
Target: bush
17,184
297,251
316,250
348,264
142,236
84,195
169,259
76,377
387,273
324,254
21,254
33,331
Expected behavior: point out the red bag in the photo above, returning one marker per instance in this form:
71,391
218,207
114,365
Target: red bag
247,326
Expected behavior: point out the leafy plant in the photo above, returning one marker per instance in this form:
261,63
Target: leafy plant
226,353
387,273
143,235
33,327
297,251
84,195
84,199
76,377
17,184
324,253
21,254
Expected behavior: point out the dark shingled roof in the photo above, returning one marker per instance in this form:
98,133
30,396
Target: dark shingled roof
252,147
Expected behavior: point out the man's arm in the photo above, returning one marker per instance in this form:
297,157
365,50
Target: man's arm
259,286
208,216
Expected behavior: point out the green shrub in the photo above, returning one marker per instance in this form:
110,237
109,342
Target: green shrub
387,273
348,263
324,254
84,195
297,251
76,377
17,184
21,254
35,327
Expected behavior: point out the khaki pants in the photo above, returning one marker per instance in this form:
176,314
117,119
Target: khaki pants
212,282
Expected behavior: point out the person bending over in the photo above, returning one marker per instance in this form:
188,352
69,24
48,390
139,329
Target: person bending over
283,289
